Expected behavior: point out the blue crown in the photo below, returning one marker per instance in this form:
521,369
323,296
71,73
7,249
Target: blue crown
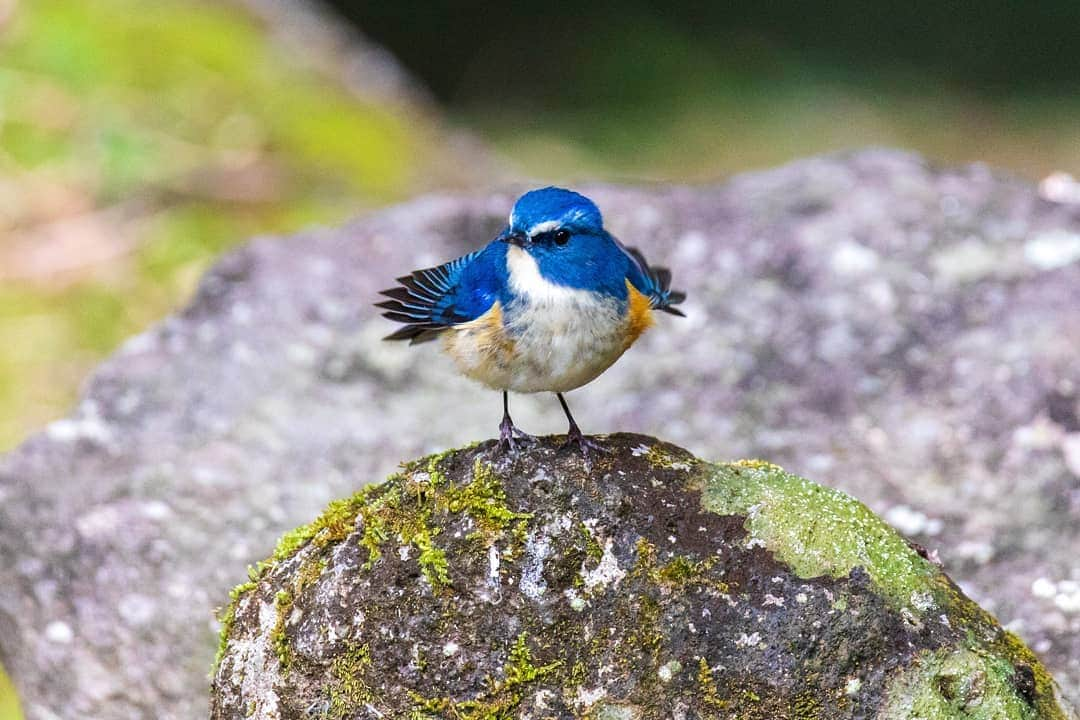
555,205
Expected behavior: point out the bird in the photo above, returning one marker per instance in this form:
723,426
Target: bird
546,306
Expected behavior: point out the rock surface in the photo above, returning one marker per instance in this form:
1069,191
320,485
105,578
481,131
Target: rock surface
475,585
904,333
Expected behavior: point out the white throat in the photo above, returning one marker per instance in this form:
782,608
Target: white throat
525,279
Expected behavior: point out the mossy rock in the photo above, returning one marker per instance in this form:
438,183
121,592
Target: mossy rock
653,585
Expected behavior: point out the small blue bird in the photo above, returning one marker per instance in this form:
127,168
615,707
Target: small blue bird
547,306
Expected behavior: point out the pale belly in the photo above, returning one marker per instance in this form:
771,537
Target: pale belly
535,347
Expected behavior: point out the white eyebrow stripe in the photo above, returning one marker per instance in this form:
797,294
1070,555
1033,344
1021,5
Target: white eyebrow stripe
543,227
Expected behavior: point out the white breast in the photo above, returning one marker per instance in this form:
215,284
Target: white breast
562,337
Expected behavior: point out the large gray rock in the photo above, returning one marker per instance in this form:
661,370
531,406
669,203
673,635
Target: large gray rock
651,585
906,334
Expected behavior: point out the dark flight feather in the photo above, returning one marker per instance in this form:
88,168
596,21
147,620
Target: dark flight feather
659,280
425,301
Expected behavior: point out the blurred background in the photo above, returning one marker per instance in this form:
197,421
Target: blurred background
141,138
643,89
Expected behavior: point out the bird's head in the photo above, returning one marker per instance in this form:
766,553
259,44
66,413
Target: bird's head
564,233
552,211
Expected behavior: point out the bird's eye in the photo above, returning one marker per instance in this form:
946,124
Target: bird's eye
562,237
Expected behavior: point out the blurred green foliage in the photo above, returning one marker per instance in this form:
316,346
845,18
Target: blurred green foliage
137,141
727,130
559,54
641,89
9,704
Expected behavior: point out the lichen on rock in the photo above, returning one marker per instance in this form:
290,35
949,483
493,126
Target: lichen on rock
654,585
839,535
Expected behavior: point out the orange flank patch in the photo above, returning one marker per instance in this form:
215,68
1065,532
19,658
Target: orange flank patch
481,346
490,332
640,316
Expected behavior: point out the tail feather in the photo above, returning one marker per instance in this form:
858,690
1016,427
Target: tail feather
415,334
663,277
662,296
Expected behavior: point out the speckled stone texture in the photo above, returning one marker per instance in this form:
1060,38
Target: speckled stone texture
481,586
904,333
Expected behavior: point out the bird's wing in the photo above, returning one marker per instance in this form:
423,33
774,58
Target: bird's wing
654,282
432,300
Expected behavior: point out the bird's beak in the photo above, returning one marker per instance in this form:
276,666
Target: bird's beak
514,238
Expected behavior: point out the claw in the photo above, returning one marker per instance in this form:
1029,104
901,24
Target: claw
584,445
510,437
506,437
522,435
508,433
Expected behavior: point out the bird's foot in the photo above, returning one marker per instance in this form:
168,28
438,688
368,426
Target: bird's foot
510,437
575,438
522,435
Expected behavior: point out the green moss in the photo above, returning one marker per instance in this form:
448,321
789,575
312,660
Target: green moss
593,550
520,669
401,509
228,619
335,522
646,640
283,603
818,531
401,512
661,458
348,691
502,696
432,560
709,694
377,523
577,674
308,573
960,684
407,509
484,500
519,536
806,707
678,573
1022,660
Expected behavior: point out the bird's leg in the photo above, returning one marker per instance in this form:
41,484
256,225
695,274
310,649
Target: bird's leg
507,431
574,435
